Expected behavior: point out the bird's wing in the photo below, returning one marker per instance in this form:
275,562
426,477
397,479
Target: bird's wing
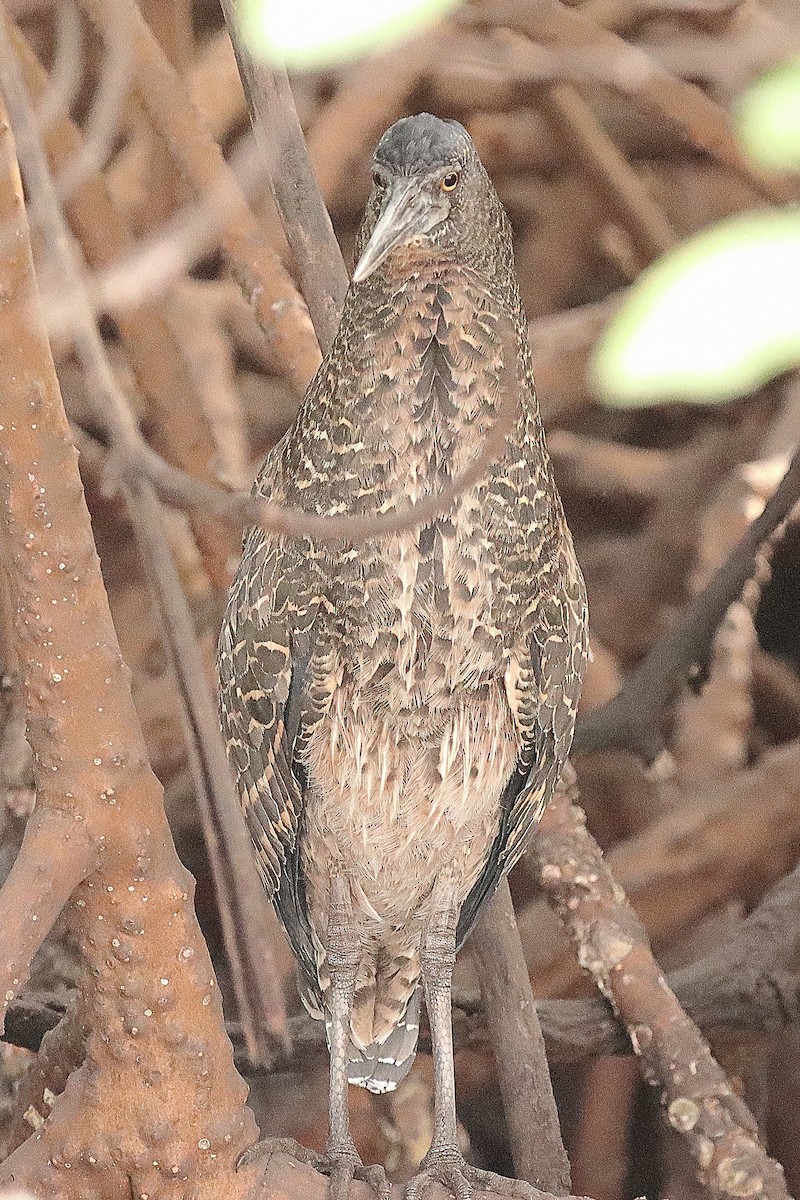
543,684
265,649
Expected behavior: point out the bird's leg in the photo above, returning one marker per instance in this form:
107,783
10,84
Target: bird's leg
341,1160
438,960
343,952
444,1163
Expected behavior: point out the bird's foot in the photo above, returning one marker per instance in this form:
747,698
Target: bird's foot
341,1163
447,1166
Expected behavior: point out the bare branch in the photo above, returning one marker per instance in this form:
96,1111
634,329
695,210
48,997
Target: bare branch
234,871
519,1051
306,222
700,1103
281,311
37,891
609,170
549,23
246,915
151,335
152,1037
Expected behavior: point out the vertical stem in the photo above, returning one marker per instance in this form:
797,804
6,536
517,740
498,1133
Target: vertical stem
306,222
516,1036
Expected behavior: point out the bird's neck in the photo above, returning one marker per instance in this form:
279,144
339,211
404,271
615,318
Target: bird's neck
436,356
409,390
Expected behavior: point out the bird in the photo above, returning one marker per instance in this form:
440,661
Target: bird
398,708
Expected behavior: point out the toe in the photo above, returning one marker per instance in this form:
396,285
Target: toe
341,1176
487,1181
375,1176
448,1168
449,1176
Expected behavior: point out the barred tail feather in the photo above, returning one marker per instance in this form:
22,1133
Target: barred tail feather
381,1066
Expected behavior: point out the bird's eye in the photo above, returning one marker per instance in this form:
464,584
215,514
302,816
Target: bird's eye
450,180
377,179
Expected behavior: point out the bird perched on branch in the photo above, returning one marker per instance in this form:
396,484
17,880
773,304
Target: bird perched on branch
398,707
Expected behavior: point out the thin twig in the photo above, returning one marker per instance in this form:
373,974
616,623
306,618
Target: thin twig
306,222
102,125
67,69
152,335
549,23
148,270
103,122
609,170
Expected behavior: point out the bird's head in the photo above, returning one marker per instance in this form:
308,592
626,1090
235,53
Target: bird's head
430,196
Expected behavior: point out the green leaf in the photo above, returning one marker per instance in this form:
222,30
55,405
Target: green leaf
714,319
768,118
307,34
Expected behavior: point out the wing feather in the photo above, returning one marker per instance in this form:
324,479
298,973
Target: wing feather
543,684
264,650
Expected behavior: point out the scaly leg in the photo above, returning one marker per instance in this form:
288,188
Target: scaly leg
341,1160
343,952
444,1163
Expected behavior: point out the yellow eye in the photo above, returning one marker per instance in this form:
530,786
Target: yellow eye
450,180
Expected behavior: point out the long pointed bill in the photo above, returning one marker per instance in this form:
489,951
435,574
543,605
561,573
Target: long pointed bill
409,212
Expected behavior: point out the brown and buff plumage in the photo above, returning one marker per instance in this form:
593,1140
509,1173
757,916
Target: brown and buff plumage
398,712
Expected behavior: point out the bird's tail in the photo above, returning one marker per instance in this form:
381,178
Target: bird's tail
380,1066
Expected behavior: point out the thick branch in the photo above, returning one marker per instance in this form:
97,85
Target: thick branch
234,871
246,915
700,1103
158,1067
57,854
750,985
